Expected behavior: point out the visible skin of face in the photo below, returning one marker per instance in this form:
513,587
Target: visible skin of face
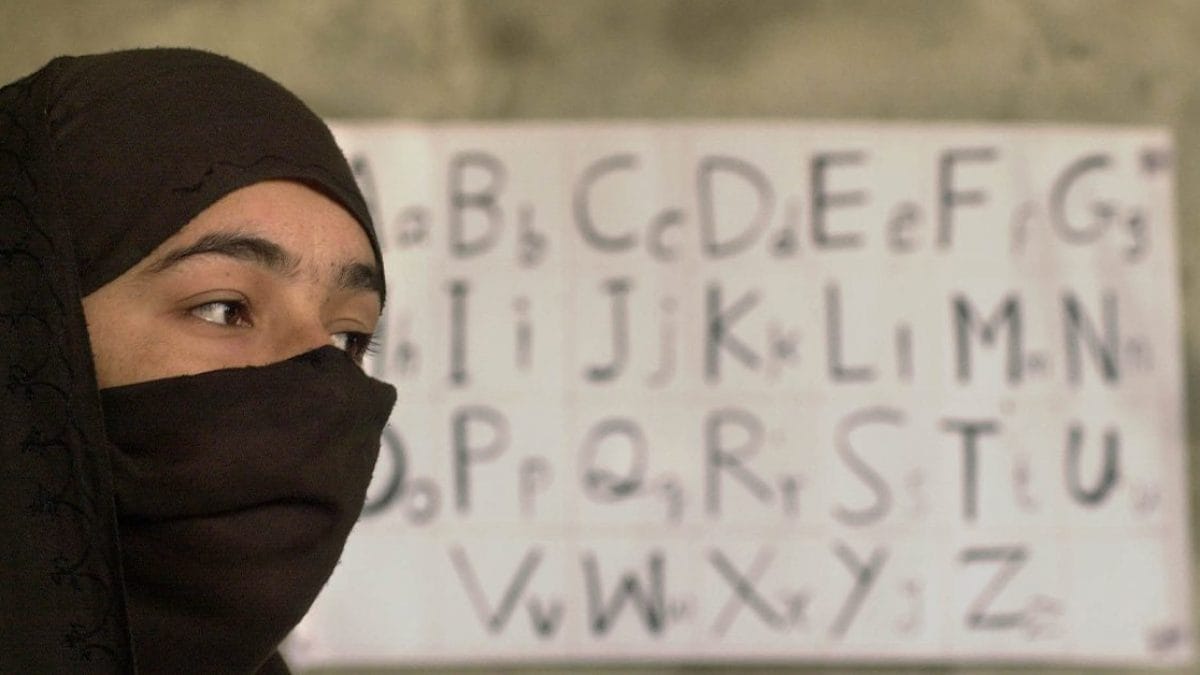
269,271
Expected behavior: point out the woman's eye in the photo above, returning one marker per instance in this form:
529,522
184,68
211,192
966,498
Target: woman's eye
223,312
357,345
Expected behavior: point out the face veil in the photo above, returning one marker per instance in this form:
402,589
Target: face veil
108,498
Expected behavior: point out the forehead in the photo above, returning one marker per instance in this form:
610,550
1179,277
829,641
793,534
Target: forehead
298,218
283,228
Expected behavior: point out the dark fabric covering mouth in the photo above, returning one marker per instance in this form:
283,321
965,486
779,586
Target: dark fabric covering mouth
234,497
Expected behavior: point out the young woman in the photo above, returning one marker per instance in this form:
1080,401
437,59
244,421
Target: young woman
188,282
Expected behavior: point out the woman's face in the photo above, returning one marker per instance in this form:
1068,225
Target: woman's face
270,271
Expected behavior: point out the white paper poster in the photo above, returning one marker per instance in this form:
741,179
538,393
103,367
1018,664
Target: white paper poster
767,392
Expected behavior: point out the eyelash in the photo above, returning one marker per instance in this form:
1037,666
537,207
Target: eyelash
237,306
358,344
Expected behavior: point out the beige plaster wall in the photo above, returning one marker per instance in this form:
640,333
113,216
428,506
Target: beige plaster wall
1096,61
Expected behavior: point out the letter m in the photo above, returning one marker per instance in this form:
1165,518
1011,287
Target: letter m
1006,318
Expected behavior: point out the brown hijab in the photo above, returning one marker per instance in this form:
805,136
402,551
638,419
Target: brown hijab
106,498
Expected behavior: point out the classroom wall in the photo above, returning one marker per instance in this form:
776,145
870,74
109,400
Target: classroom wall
1085,61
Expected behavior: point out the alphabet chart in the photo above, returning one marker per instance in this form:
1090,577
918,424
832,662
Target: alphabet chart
738,392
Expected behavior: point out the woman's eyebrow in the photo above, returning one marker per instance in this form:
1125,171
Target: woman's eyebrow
237,245
352,276
357,276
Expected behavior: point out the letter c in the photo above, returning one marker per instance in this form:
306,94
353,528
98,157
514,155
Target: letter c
581,203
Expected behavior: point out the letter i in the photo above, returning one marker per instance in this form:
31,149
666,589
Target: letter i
524,334
904,352
459,290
